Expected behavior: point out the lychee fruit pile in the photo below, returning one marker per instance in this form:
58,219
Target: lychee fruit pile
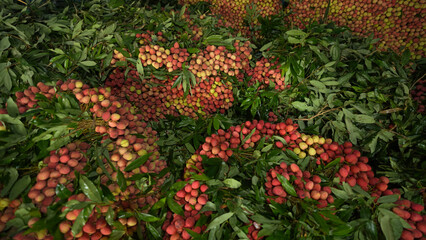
419,95
235,14
192,197
397,23
210,90
412,213
305,184
60,169
267,72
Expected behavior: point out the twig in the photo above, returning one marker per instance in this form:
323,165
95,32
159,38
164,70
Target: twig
418,80
391,131
14,36
321,112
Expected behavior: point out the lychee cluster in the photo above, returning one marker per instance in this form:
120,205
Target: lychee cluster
119,120
192,197
123,152
235,14
157,56
95,227
131,139
157,98
354,169
419,95
305,184
147,37
225,143
412,213
253,231
272,117
221,144
397,23
214,60
60,169
27,99
267,72
7,211
118,57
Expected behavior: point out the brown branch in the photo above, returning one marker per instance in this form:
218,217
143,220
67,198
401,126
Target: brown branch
321,112
417,81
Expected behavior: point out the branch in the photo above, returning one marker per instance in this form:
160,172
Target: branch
321,112
417,81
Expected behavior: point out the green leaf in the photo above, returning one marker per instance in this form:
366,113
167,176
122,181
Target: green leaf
122,183
321,55
140,69
293,40
406,55
318,84
193,50
267,229
388,199
81,219
19,187
77,29
62,192
361,118
279,138
159,204
397,227
153,231
178,185
88,63
332,163
190,148
12,177
232,183
4,44
178,81
335,52
342,230
255,106
296,33
110,216
301,106
209,206
89,189
345,78
267,147
391,214
174,206
5,79
347,188
266,46
287,185
57,51
116,3
291,154
216,123
107,60
248,136
138,162
219,220
385,224
117,234
12,108
146,217
340,193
